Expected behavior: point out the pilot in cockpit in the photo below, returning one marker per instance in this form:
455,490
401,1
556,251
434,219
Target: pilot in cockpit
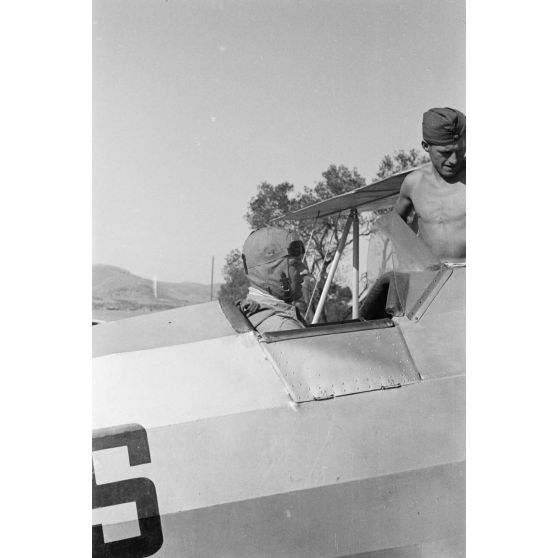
273,262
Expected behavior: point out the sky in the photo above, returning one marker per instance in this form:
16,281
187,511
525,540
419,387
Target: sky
195,103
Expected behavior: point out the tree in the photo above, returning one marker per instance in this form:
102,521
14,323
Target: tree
235,286
269,203
401,160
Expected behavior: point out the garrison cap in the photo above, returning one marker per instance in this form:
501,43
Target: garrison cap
442,126
269,244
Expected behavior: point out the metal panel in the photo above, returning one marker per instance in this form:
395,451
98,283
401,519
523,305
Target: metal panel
338,364
423,302
437,341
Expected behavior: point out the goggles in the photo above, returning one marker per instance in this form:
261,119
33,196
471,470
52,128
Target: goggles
295,249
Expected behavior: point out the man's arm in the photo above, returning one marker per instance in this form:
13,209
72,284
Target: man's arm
404,204
248,306
278,323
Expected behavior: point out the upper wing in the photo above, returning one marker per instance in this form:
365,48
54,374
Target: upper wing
374,196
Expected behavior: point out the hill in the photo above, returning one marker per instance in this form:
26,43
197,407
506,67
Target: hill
118,293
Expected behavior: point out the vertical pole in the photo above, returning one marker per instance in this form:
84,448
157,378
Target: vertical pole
332,270
354,214
212,265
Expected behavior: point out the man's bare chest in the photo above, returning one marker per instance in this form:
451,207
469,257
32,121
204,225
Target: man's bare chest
442,204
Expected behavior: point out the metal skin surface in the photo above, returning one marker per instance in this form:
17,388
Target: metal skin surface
436,341
162,329
348,363
242,470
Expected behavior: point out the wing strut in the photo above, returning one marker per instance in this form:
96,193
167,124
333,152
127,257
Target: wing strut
354,214
316,284
333,268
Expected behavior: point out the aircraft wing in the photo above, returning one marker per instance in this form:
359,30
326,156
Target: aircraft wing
377,195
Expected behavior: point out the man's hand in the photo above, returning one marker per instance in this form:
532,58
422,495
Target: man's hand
248,306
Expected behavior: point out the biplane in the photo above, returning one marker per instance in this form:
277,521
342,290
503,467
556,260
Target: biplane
338,440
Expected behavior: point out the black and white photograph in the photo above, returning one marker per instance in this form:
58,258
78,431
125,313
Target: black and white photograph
236,318
279,259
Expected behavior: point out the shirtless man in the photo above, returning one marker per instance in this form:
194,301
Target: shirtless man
437,192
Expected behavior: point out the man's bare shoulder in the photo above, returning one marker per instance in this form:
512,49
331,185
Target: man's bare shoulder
415,178
419,174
